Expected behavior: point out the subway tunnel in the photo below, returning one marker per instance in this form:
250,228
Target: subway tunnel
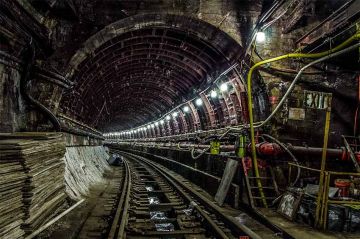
179,119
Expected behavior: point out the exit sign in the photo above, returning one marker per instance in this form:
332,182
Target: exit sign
317,100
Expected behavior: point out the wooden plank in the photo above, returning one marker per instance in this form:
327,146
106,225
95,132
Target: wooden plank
227,178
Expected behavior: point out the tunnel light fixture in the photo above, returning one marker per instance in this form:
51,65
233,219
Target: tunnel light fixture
156,123
148,126
168,117
260,37
198,101
162,121
186,109
175,114
223,87
143,128
213,94
152,126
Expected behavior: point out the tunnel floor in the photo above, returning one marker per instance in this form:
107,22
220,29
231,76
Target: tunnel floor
302,231
92,218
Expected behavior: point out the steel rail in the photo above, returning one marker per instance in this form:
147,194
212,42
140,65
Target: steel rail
118,228
184,190
217,230
254,214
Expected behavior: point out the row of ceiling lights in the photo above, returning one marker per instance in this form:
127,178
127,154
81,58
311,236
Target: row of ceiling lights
260,38
198,102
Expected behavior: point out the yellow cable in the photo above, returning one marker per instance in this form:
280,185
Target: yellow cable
250,102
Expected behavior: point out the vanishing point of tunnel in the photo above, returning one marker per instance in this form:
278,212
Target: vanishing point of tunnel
179,119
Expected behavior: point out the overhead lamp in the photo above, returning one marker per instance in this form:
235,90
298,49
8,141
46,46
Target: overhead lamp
260,37
156,123
148,126
198,101
213,94
175,114
223,87
152,125
143,128
186,108
162,121
168,117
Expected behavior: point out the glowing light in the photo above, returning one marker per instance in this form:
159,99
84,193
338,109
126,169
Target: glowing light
152,125
162,121
168,117
175,114
148,126
260,37
213,94
186,108
156,123
223,87
198,102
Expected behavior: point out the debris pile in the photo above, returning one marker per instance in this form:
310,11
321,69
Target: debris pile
32,177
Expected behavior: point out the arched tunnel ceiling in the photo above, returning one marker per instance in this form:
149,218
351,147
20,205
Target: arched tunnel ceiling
138,68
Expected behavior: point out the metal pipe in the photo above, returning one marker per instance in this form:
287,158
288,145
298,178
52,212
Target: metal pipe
24,83
80,132
55,75
289,153
336,13
339,153
324,56
53,80
13,58
78,123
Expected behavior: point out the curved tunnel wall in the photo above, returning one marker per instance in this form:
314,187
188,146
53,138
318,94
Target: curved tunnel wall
137,69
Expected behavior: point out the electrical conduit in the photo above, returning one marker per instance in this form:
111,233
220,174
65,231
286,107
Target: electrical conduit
328,54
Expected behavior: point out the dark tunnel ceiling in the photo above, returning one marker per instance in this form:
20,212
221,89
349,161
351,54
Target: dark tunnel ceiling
139,75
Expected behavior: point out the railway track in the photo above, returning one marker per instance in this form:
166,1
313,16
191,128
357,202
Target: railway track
157,203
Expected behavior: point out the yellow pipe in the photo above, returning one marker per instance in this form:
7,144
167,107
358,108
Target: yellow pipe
250,102
323,176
